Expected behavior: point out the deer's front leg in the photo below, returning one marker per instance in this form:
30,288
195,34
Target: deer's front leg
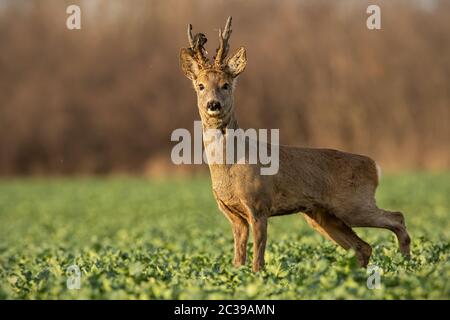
259,242
240,229
240,234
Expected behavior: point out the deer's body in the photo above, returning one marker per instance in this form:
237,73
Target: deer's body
335,190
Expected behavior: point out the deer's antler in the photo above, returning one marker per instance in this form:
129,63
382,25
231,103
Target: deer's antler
222,51
196,46
189,34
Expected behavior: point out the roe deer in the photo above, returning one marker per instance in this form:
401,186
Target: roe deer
335,190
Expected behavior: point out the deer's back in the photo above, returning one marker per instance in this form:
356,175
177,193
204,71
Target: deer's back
307,178
325,177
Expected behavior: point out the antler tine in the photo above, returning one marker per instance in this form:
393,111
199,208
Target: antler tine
224,36
190,38
227,32
197,48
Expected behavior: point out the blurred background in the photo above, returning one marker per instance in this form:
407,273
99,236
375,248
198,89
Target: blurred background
105,99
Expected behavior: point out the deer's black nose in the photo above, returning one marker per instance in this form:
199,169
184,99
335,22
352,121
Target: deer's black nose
214,105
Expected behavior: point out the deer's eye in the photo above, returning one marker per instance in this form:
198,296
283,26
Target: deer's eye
226,86
201,87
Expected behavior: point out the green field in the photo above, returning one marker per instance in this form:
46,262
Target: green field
145,239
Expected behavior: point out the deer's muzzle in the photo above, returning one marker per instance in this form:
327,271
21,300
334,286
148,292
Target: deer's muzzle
214,107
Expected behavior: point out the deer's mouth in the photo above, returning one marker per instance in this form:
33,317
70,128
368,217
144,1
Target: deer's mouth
214,113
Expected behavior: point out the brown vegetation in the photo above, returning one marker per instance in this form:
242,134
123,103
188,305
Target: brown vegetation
106,98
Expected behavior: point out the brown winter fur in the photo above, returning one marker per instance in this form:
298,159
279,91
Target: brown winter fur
335,190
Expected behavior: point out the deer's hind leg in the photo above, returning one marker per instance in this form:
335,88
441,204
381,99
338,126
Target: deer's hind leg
337,231
379,218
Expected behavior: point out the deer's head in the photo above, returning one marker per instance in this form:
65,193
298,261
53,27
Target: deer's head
213,82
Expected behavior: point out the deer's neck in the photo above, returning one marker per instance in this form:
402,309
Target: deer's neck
213,126
229,122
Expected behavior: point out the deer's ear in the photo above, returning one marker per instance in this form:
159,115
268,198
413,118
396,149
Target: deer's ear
236,64
188,64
